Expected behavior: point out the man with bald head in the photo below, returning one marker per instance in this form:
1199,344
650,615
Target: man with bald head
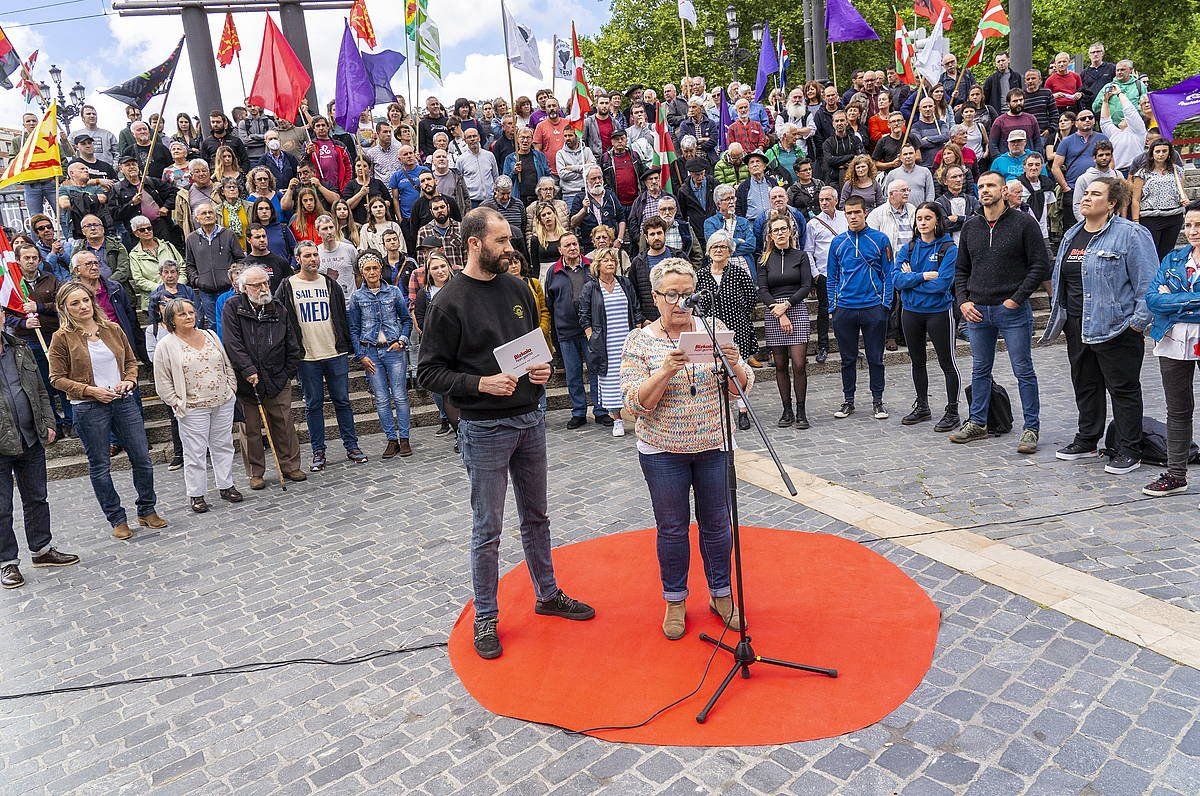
208,252
141,147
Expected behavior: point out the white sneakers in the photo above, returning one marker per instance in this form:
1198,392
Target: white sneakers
618,428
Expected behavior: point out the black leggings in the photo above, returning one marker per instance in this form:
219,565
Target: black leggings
798,355
939,327
1164,230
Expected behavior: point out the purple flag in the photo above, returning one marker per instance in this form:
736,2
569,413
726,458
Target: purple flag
353,92
844,23
382,67
1175,105
768,62
724,119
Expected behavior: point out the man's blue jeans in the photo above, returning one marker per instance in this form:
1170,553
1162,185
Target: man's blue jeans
491,451
1016,327
39,197
389,385
314,377
574,354
95,424
207,307
672,479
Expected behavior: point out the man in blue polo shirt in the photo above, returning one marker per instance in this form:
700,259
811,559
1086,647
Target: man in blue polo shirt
404,185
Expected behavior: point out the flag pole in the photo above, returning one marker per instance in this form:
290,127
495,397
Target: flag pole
833,60
957,83
242,75
683,38
507,63
554,64
162,114
912,115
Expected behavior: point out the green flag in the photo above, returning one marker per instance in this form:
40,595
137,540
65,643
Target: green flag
429,49
415,14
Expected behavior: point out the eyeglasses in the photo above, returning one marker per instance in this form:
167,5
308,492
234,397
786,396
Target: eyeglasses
671,296
256,285
1087,118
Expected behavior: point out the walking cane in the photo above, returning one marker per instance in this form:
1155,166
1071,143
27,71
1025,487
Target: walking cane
270,441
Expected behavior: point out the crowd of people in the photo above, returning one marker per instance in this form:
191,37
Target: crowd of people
261,252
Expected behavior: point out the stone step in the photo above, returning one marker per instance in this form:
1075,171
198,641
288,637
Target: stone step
65,459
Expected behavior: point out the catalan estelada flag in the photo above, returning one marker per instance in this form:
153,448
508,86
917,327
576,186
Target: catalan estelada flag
39,158
9,60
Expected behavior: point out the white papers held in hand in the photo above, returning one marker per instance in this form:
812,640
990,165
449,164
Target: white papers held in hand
698,345
518,356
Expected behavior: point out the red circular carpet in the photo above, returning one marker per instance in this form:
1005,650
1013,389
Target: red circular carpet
813,598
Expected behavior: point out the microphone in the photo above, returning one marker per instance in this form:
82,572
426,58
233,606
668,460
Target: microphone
698,300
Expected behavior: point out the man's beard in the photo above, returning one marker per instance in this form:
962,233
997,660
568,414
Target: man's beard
495,263
260,299
441,220
797,112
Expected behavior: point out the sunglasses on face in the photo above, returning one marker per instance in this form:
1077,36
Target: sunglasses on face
42,228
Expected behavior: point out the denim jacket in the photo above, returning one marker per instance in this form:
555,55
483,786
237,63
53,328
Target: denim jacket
1117,268
369,312
1178,306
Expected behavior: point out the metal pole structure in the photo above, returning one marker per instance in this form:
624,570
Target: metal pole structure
512,103
554,63
820,67
203,64
1020,38
291,21
808,40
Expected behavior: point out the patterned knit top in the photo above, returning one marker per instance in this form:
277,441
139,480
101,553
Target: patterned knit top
681,422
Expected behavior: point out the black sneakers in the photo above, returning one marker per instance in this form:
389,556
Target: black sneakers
487,642
920,412
576,422
1165,484
879,411
318,462
743,421
1119,465
443,429
1076,450
949,421
564,607
846,410
605,420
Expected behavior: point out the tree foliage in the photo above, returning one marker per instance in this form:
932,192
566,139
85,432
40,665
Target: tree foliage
641,41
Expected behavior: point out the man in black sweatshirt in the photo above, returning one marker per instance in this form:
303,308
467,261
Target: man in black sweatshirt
1001,261
501,430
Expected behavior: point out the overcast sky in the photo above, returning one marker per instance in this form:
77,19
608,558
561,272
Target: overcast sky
105,51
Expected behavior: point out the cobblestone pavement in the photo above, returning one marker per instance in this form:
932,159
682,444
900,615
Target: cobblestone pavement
1019,699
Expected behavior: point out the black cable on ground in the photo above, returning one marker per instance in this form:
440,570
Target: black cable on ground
1017,520
245,668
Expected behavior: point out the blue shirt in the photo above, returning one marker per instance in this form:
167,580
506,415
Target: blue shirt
758,199
405,183
1078,154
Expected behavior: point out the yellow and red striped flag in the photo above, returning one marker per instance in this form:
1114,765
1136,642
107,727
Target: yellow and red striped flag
39,158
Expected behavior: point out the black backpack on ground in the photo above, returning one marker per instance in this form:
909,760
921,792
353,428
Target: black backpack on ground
1000,414
1154,443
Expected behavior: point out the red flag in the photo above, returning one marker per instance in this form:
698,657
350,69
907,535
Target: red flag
280,81
230,45
10,278
930,10
360,22
904,53
580,104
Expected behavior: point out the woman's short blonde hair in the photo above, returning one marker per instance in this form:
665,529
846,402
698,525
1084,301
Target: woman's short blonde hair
671,265
604,254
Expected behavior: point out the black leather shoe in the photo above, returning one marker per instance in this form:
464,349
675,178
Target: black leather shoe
744,421
11,577
53,558
605,420
949,421
801,419
576,422
787,418
822,354
232,495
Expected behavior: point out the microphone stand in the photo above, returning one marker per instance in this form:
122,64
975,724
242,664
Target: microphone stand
744,655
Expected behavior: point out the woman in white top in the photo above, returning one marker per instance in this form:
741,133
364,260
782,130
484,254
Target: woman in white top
92,362
370,234
1158,197
193,376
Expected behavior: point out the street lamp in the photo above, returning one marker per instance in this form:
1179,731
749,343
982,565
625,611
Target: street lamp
735,55
66,110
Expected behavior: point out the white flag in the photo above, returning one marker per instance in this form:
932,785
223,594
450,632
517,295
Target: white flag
522,47
687,11
564,60
937,47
